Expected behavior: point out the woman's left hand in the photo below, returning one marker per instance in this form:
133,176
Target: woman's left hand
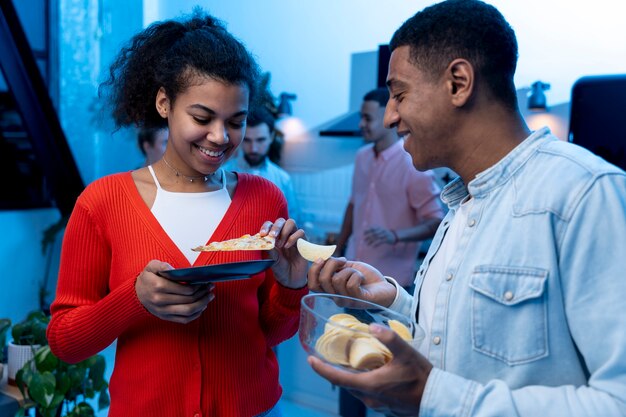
290,270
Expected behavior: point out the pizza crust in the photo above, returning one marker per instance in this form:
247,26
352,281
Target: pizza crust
245,242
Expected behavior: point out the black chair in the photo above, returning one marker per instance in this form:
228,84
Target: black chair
598,116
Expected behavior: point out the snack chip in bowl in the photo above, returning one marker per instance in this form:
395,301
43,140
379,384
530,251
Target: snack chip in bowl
340,336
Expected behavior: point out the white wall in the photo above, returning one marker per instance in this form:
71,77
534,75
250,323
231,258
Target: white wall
307,45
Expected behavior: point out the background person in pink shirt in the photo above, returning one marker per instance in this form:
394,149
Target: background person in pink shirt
393,207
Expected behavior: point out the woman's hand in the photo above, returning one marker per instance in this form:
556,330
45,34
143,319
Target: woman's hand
290,269
169,300
354,279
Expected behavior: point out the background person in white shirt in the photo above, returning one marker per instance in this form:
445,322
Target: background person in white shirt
254,157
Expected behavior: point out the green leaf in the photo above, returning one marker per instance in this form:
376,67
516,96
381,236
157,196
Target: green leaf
63,383
103,399
76,375
45,360
96,370
21,412
41,388
57,401
48,412
84,410
20,380
31,331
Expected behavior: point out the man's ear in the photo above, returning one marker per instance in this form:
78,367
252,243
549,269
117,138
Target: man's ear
162,103
460,81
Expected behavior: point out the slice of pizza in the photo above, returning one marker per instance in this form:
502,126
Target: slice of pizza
245,242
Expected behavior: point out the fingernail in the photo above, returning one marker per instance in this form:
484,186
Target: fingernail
375,328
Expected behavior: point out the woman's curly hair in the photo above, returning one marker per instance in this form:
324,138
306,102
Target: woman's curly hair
173,54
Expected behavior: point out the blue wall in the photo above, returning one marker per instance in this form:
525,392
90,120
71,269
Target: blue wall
90,32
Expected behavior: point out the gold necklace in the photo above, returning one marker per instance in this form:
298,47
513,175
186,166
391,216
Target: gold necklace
204,178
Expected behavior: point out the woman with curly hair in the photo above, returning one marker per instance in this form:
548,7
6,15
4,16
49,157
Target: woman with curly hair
182,350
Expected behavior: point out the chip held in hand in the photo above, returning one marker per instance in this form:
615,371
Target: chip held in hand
311,251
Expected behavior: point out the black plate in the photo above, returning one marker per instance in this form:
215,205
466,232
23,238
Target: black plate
217,273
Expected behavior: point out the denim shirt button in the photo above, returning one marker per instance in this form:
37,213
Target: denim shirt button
449,277
471,223
436,340
508,296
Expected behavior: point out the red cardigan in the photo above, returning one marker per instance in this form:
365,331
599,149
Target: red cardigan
221,364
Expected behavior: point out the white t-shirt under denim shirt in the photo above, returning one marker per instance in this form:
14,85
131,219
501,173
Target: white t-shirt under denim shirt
436,273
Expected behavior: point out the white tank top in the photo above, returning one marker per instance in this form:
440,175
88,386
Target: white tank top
190,219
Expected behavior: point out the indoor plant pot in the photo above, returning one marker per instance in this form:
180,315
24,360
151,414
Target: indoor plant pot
28,336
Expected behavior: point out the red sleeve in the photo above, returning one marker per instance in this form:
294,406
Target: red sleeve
86,317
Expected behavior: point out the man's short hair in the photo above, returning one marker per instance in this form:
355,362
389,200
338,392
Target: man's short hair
147,135
380,95
469,29
259,115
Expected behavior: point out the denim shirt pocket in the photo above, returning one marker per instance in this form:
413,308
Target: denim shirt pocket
509,313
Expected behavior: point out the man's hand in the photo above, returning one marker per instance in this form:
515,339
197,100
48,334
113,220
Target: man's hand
354,279
376,236
395,388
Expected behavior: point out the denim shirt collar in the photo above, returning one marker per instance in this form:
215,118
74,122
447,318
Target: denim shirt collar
501,172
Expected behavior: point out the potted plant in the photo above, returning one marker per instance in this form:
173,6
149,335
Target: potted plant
28,336
5,325
55,388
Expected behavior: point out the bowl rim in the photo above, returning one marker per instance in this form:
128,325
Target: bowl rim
345,297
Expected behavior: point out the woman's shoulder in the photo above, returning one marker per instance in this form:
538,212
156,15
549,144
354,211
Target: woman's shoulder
109,181
104,187
251,186
254,181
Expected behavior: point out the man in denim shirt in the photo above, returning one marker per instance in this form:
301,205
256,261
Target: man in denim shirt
522,294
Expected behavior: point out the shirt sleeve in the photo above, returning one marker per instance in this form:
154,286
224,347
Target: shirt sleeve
86,317
592,269
423,193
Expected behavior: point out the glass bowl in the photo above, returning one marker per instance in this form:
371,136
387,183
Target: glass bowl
335,328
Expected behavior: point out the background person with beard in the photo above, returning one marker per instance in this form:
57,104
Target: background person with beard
393,207
254,156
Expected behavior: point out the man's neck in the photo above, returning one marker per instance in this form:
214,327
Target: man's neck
484,145
386,142
259,164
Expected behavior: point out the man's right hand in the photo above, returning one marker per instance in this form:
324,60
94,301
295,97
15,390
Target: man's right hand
354,279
